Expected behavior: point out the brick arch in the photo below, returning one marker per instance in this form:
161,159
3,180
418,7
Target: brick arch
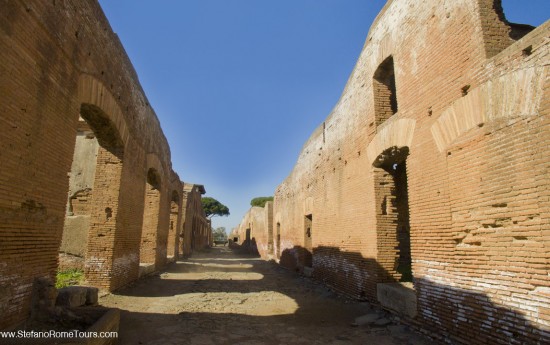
153,162
175,196
154,178
394,133
387,153
516,94
385,50
92,91
156,216
92,236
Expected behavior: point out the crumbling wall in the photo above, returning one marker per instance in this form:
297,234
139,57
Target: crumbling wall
60,61
255,231
196,227
176,226
468,111
74,242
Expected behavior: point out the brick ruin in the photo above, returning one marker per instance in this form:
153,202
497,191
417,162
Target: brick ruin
196,228
426,190
87,179
255,232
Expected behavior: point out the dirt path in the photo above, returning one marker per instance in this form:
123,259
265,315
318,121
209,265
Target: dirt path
218,297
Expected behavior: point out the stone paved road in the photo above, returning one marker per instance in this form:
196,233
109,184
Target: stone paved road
218,297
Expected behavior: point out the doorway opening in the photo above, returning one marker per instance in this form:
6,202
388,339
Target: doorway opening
149,234
393,227
173,231
308,242
278,240
92,203
270,248
247,237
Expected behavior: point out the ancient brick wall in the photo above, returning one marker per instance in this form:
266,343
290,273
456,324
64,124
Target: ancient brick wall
195,225
175,228
201,235
184,248
255,231
59,62
444,122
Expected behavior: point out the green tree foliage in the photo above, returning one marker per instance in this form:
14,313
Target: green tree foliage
213,207
260,201
219,234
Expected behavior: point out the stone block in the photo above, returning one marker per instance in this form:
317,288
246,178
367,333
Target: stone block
399,297
146,269
92,295
72,296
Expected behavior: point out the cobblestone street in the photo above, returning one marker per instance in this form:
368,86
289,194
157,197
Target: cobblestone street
219,297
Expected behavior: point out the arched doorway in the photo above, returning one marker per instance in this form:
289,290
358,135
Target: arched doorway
92,203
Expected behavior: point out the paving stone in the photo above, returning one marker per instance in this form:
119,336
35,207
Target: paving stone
382,322
366,319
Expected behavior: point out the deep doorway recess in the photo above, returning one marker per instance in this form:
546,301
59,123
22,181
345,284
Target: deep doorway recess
308,241
278,240
173,230
270,240
247,236
393,228
74,242
148,248
92,203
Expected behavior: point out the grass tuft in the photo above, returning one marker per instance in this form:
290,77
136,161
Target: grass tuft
69,277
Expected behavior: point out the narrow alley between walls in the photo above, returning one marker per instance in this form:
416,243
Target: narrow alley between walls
219,296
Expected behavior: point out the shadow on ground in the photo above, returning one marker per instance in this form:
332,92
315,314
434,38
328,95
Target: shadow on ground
222,296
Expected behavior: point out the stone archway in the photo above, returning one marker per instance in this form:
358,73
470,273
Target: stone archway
92,206
95,179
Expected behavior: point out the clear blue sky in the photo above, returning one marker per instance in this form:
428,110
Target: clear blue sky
239,85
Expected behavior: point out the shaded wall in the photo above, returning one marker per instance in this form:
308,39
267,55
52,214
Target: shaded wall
196,227
470,119
81,181
60,61
255,231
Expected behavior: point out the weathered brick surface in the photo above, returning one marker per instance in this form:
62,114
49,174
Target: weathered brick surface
150,230
472,110
175,227
255,231
61,62
196,227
